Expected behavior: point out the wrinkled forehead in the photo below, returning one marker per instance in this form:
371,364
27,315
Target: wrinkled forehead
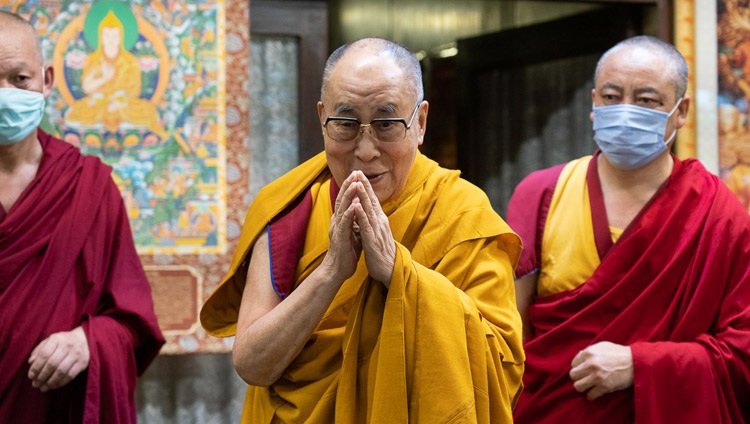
375,78
635,66
23,36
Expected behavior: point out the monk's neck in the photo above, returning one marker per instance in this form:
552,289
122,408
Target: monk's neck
627,192
18,166
25,153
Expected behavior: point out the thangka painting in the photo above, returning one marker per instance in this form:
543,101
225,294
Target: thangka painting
140,84
733,32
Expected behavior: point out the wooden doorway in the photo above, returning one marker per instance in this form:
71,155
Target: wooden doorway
524,95
289,47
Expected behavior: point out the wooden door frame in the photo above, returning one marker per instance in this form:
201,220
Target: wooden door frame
308,22
664,13
586,33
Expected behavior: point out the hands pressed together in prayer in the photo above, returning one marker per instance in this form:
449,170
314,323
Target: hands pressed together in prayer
602,368
58,359
359,224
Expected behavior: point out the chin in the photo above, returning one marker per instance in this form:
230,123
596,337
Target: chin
382,198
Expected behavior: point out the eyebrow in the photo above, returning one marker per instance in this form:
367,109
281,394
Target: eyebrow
347,108
637,91
644,90
612,86
342,108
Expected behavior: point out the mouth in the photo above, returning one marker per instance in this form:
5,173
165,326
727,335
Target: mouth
374,178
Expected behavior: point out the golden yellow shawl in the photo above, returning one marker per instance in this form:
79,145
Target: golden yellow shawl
444,346
569,255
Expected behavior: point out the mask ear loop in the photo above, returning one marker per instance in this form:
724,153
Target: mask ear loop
675,106
674,133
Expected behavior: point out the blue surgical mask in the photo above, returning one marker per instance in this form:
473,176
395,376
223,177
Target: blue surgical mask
631,136
21,113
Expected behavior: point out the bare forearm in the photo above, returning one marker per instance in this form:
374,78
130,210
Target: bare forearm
266,348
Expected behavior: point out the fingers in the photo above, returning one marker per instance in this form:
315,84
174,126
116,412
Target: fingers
38,360
585,382
602,368
367,195
58,359
53,377
345,242
346,193
578,372
359,224
348,217
578,359
375,231
345,196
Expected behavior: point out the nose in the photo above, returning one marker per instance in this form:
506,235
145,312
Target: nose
367,146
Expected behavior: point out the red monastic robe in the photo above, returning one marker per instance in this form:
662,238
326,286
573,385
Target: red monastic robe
67,259
675,287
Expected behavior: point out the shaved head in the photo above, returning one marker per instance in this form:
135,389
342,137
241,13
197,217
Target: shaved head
677,68
11,22
405,59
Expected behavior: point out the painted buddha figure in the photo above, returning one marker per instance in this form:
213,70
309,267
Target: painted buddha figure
112,82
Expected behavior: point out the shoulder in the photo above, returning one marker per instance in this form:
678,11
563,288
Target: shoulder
55,147
539,181
726,207
527,212
94,172
297,179
534,192
452,187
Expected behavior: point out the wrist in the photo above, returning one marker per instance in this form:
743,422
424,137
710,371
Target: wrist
329,271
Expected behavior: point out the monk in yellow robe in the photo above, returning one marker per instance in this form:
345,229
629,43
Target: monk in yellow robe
112,82
369,284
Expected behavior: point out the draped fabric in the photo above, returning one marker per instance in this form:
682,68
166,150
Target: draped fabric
441,345
676,288
67,259
205,388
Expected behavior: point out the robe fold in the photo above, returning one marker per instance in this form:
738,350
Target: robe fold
675,287
67,259
442,345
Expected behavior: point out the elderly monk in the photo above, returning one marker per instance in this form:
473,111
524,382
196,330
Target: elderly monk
77,324
635,287
371,285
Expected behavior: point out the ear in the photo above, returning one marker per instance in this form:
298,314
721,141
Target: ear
49,80
682,112
424,107
320,115
593,103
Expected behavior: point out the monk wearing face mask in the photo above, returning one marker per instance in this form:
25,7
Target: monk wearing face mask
634,284
77,324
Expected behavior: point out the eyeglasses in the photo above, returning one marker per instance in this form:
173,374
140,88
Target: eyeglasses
387,130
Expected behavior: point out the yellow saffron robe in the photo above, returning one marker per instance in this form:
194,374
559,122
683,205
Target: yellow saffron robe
444,345
568,254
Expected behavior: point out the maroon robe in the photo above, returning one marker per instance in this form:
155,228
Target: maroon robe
675,288
67,259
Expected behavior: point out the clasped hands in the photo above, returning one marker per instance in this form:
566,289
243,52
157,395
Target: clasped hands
58,359
359,225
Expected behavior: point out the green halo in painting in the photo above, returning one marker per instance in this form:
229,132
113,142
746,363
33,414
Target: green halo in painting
122,11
